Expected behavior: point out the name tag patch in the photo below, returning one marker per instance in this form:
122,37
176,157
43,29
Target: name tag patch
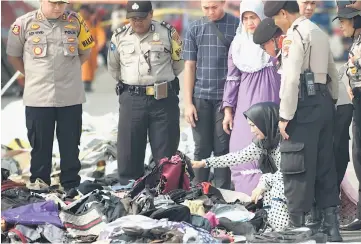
36,32
70,32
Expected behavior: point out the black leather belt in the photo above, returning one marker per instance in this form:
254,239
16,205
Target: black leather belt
143,90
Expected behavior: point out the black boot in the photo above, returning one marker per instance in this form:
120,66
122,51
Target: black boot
296,220
314,219
330,224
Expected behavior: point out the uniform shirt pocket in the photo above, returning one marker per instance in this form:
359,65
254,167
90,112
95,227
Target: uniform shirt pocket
38,46
70,47
127,53
158,53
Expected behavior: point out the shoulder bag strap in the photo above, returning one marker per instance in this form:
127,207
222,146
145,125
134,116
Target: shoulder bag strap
219,34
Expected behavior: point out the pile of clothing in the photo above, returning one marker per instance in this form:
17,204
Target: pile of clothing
104,211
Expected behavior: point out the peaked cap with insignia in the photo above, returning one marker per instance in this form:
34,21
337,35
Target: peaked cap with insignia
138,9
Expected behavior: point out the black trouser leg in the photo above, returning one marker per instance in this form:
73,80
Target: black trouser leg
341,139
222,176
132,136
68,132
203,136
305,177
164,131
326,189
40,123
209,136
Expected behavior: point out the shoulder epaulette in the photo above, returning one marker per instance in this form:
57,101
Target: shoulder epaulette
166,25
120,30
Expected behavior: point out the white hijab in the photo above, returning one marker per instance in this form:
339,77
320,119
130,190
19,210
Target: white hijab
248,56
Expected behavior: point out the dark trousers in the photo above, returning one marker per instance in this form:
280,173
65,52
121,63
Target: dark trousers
341,139
139,116
40,122
307,161
208,136
356,148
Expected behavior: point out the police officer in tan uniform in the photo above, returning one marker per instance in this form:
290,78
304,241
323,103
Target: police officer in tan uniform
307,111
350,24
48,46
144,57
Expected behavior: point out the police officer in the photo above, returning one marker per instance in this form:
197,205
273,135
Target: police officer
48,46
306,117
144,56
350,24
268,36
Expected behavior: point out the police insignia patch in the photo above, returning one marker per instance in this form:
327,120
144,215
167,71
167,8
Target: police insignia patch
39,17
35,26
16,29
112,46
38,50
72,49
285,50
287,42
175,36
36,39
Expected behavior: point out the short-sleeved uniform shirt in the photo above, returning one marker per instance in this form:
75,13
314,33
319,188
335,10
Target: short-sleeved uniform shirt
50,51
202,45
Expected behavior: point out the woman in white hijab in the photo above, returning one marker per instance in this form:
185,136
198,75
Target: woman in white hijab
252,78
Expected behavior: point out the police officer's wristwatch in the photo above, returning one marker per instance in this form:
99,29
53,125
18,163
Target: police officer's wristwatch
283,120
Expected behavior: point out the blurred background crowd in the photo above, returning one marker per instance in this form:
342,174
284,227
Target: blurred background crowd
104,16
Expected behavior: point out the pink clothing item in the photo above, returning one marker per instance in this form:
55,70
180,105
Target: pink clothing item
212,219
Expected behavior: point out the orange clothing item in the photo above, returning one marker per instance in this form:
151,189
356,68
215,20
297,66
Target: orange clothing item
89,67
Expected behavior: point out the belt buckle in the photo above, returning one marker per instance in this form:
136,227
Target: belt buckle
149,90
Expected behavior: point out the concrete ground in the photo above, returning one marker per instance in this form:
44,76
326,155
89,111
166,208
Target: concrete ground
104,100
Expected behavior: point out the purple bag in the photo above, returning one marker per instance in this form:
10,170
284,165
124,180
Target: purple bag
39,213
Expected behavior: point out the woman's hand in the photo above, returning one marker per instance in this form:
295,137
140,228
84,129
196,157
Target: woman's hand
228,120
256,194
198,164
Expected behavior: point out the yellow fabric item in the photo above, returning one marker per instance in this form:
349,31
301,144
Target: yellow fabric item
18,144
86,40
195,207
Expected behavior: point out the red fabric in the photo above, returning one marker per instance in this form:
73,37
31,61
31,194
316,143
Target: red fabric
171,174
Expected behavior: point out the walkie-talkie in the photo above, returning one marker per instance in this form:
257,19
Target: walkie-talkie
310,78
310,82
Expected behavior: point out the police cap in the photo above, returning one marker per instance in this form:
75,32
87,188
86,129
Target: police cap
138,9
265,31
347,13
271,8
